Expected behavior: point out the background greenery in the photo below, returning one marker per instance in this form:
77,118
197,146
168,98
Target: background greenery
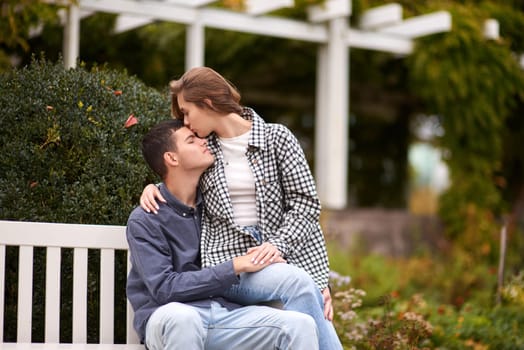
474,85
78,163
441,300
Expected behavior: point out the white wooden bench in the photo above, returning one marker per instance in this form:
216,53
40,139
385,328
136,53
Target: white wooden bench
53,237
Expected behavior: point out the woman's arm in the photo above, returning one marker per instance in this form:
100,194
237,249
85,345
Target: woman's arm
291,219
300,204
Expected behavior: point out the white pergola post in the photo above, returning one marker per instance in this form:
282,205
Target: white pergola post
321,133
195,45
71,44
332,120
332,96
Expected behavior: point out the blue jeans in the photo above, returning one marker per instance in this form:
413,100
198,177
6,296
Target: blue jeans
181,326
292,287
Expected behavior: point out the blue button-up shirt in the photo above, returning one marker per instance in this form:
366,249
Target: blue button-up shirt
165,257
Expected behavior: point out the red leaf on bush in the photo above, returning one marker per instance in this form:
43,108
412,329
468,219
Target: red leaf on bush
132,120
117,92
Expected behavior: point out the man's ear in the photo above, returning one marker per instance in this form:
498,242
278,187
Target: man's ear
170,158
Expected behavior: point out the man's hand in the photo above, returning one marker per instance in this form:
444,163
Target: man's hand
328,304
266,252
148,198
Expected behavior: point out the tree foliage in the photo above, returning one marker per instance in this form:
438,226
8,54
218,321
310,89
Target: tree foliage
18,18
475,85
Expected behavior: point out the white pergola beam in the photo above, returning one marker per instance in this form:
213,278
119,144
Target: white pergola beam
329,10
190,3
259,7
213,18
264,25
379,42
274,26
381,16
127,22
151,9
423,25
62,15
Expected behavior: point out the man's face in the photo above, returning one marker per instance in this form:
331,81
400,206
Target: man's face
192,151
197,119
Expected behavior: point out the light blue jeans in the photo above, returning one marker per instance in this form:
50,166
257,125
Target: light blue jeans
292,287
179,326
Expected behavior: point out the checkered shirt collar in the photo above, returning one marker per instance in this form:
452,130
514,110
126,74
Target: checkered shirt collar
257,138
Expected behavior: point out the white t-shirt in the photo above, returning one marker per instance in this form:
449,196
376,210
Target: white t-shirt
240,179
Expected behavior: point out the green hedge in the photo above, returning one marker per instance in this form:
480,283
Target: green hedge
66,155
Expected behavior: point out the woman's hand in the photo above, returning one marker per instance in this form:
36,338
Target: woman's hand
244,263
266,252
148,198
328,304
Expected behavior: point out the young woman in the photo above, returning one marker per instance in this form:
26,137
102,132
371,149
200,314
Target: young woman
259,196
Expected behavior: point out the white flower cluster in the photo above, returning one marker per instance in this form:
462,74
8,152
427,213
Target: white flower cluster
338,280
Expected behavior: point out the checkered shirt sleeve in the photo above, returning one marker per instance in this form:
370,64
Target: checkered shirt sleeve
287,203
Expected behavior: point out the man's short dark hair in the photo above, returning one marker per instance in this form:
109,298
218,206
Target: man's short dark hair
159,141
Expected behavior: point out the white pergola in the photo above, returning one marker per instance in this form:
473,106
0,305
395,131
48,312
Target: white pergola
381,29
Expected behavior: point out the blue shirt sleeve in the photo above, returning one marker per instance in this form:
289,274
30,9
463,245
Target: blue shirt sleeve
168,273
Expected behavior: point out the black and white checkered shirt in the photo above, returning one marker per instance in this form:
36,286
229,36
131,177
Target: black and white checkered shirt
287,203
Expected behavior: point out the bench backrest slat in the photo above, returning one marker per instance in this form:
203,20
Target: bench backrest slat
131,335
80,295
53,237
25,294
107,290
52,295
2,291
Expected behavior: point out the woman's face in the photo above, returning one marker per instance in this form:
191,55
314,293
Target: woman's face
199,120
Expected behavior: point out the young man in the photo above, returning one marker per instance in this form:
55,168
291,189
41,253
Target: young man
177,303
